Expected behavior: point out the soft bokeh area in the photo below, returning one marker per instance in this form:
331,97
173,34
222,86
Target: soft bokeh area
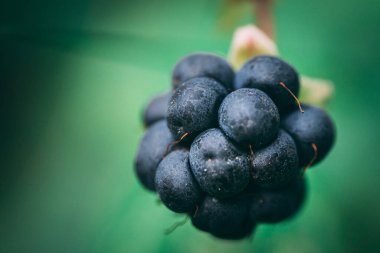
75,76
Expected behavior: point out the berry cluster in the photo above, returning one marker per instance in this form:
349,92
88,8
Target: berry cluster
230,149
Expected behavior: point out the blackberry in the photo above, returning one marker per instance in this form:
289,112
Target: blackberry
267,73
203,65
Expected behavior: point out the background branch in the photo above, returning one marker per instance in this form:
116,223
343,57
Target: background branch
264,17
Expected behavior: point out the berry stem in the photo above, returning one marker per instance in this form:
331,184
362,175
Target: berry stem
264,17
294,96
176,225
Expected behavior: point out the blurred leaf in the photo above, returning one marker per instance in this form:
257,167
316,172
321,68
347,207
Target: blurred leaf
316,91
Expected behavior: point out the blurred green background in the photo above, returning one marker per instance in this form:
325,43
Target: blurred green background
75,76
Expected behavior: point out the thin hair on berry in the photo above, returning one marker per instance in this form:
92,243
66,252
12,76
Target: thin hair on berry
294,96
315,150
170,145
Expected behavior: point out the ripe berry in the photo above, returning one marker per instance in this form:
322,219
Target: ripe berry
272,206
220,167
223,218
277,164
157,109
203,65
228,160
193,107
175,183
151,150
265,73
249,117
313,126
